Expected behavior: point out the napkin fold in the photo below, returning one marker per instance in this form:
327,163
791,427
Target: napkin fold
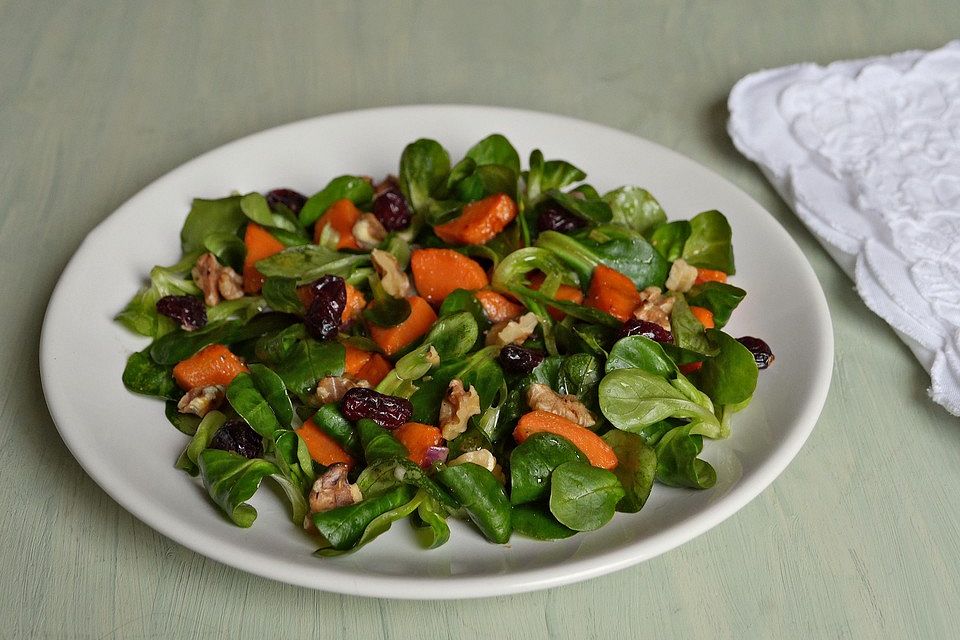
867,153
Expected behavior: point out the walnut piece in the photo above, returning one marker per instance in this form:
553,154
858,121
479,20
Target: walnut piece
332,490
682,276
230,284
482,458
216,280
512,331
388,183
540,397
368,232
332,388
456,409
395,282
201,400
654,307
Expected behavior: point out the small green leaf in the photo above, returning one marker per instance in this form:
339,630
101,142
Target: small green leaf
281,295
533,522
635,208
640,352
271,387
424,165
593,211
688,332
532,462
208,427
208,217
636,468
308,262
231,480
353,188
633,399
583,497
246,399
720,298
143,375
344,527
677,461
730,378
668,239
387,311
482,497
710,243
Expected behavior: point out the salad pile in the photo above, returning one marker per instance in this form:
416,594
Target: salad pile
470,340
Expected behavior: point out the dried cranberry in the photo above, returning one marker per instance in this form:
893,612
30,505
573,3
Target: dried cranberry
516,359
391,210
760,350
237,436
646,329
293,200
187,310
390,412
553,217
325,312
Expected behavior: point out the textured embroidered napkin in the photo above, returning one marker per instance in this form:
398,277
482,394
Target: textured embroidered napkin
867,152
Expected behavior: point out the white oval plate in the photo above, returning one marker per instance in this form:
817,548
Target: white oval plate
124,442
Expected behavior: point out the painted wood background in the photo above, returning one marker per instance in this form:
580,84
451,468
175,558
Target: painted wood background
858,538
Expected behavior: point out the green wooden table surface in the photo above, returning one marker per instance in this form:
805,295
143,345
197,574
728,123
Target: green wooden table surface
858,538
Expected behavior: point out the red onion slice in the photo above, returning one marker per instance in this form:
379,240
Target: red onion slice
435,454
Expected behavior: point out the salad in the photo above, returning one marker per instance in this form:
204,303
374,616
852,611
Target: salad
466,340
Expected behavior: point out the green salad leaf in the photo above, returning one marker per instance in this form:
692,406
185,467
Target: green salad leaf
710,245
231,480
482,497
582,497
634,208
533,522
532,462
616,247
636,469
353,188
669,239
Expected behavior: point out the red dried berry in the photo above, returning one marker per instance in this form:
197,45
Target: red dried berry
325,312
390,412
293,200
646,329
516,359
762,354
553,217
189,311
237,437
391,210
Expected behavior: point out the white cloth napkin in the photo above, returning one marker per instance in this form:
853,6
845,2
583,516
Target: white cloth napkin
867,153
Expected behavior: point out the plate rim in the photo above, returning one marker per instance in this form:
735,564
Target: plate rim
460,587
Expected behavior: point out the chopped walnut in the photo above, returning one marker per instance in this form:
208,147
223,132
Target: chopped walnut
540,397
368,232
682,276
388,183
482,458
230,284
457,408
654,307
395,282
201,400
332,388
216,280
512,331
332,490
